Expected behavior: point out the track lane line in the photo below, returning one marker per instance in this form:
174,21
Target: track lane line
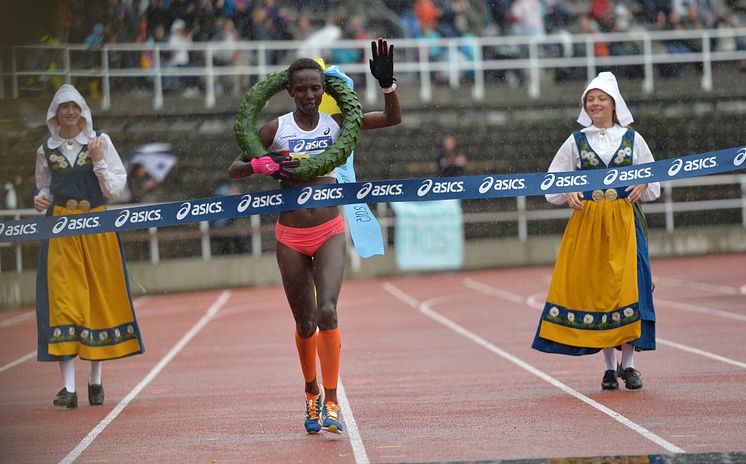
16,320
700,309
692,284
18,361
424,308
536,301
706,354
30,355
358,448
196,328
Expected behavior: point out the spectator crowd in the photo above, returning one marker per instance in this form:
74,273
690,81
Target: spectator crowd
178,23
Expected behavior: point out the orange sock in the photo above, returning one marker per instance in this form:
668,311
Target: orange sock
307,354
330,346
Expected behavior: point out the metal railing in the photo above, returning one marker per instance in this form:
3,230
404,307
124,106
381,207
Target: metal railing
520,216
418,61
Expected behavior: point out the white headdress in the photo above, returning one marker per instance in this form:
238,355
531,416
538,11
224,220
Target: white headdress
606,82
68,93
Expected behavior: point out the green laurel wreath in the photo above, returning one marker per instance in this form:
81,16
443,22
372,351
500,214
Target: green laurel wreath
352,122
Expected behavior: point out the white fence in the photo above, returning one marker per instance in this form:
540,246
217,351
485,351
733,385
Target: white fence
418,61
520,216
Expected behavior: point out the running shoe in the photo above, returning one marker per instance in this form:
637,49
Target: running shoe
313,407
330,418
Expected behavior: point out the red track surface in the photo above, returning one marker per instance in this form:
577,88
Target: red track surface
434,368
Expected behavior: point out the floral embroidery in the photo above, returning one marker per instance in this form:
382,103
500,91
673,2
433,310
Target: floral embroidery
57,161
93,337
84,158
591,319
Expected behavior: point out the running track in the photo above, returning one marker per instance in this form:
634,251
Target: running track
435,368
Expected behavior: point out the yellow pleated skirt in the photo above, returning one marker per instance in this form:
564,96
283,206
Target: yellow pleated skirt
593,297
84,304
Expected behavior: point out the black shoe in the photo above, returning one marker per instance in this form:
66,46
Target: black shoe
609,381
95,394
631,378
66,399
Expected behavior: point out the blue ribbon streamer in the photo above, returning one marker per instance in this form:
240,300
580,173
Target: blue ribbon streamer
364,228
355,193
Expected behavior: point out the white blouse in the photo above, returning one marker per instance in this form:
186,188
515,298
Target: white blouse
605,143
110,171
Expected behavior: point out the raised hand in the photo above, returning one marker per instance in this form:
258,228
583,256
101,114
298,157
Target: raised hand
275,165
382,63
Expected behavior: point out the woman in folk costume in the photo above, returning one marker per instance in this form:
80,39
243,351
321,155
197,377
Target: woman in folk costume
600,297
83,301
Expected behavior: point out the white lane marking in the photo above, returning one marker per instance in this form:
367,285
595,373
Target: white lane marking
15,320
425,309
490,290
18,361
706,354
696,285
699,309
536,301
358,449
211,312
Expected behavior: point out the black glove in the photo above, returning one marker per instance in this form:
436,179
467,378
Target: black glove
276,165
286,165
382,63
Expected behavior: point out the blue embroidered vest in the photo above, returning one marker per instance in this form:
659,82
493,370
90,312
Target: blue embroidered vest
76,181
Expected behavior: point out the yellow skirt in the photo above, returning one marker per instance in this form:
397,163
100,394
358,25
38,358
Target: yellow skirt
593,296
84,305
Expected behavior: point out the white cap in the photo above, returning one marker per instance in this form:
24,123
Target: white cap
68,93
606,82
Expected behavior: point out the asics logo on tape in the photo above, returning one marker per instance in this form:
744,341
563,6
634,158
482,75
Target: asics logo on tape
137,217
563,181
439,187
486,184
122,218
692,165
187,209
740,157
75,224
364,190
305,195
675,167
547,182
59,226
625,176
611,177
379,190
13,230
490,183
244,204
260,201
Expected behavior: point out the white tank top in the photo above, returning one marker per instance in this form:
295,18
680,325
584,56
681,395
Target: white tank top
293,141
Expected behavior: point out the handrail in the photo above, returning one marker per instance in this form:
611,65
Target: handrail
414,60
668,207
